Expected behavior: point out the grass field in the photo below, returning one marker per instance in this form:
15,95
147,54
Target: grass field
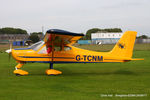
78,81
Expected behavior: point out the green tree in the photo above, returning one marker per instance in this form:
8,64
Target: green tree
143,37
34,38
9,30
37,33
112,30
88,33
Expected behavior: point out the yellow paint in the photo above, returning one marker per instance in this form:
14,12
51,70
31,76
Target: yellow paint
19,65
53,72
20,72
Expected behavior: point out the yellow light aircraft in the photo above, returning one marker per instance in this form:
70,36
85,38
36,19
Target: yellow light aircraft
57,48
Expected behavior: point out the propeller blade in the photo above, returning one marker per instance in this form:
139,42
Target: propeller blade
9,51
9,56
10,46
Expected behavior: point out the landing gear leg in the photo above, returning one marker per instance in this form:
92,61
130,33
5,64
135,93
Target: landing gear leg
18,71
51,66
52,71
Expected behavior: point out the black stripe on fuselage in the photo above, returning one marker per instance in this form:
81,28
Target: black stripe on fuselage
46,57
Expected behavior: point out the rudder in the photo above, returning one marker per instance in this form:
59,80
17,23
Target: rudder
124,47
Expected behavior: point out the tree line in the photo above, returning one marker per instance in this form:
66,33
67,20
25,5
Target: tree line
35,38
95,30
9,30
107,30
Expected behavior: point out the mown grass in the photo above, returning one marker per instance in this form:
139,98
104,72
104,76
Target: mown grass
78,81
108,47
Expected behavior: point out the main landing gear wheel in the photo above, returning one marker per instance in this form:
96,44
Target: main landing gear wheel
53,72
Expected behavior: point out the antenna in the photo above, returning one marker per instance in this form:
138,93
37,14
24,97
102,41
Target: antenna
43,30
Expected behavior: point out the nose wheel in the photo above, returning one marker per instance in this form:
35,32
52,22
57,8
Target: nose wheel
18,71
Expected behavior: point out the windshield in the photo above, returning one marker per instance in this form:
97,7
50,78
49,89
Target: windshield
37,45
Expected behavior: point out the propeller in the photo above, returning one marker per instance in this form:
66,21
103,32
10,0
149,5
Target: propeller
9,50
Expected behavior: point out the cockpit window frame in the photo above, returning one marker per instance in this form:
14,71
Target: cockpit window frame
66,48
36,46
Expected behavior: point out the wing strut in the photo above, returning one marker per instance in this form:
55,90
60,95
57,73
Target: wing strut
52,44
52,71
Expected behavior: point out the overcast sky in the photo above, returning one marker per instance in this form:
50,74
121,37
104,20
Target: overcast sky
76,15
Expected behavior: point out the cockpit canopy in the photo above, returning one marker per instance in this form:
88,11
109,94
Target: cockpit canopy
37,45
44,49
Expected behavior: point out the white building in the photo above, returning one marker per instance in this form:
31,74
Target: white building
105,38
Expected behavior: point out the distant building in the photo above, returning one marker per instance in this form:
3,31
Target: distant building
6,38
143,40
105,38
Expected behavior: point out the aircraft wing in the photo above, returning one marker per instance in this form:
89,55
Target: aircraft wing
60,37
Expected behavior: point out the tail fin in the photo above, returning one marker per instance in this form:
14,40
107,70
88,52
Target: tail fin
124,47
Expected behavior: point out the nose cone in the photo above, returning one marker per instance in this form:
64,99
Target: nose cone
8,51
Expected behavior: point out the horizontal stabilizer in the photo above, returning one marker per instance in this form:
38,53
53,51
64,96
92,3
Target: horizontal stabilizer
137,59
